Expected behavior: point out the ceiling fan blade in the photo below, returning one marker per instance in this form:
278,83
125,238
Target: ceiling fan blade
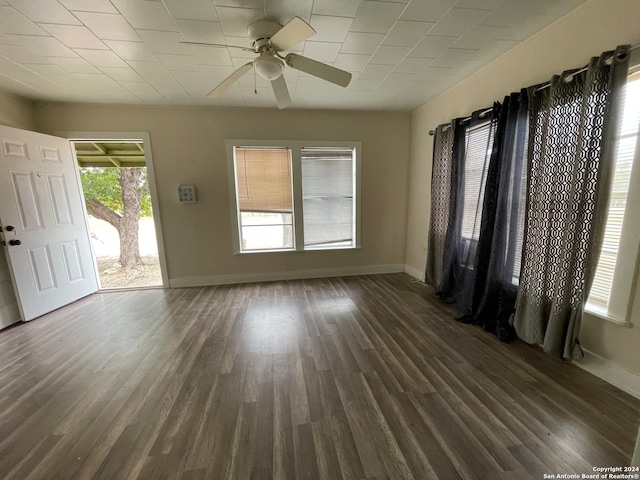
319,69
281,92
294,32
246,49
226,83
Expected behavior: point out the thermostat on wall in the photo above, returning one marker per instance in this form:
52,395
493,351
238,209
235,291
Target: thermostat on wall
187,193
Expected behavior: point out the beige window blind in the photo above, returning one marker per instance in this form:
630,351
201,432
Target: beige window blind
263,178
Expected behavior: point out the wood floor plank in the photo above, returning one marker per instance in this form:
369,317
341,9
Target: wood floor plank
522,426
283,442
80,446
426,436
306,463
32,458
262,466
313,393
364,377
325,450
360,425
390,451
404,442
466,453
211,447
244,443
343,438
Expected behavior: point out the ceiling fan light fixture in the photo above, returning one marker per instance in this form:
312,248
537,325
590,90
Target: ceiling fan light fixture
269,40
268,67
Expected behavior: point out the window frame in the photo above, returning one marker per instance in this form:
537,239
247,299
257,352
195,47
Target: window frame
625,273
295,147
240,212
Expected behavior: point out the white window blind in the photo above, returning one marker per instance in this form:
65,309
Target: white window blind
478,153
328,197
518,187
611,256
521,186
479,141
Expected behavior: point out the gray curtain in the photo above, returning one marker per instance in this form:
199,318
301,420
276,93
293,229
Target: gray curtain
440,201
498,254
472,144
572,127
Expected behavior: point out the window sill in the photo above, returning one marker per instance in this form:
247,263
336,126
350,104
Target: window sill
602,314
330,249
253,252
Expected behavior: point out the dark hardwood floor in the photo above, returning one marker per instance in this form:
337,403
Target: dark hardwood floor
358,377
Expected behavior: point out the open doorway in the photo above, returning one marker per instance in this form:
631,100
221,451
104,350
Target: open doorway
116,184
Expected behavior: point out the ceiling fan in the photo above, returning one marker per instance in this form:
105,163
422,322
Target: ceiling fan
268,40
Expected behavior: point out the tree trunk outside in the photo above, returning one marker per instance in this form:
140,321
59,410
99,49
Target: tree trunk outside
99,210
128,228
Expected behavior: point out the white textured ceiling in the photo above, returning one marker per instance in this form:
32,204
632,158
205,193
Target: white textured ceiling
401,52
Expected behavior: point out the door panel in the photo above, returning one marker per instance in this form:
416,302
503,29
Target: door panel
51,155
72,262
60,199
42,269
40,198
26,200
13,149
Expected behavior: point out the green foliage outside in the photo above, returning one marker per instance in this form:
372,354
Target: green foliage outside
102,183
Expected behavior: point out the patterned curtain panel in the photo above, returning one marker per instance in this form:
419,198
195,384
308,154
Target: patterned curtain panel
440,201
572,126
497,266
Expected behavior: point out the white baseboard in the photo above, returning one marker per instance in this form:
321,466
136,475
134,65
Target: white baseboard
286,275
414,272
610,372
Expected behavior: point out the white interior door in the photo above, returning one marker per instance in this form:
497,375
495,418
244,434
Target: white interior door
43,222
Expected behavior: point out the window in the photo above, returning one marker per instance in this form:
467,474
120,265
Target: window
294,195
478,149
265,198
328,197
479,142
611,289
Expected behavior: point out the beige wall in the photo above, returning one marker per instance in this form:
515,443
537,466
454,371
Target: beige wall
597,26
18,113
188,146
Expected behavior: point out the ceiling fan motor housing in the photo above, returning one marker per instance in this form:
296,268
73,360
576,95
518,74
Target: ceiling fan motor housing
260,32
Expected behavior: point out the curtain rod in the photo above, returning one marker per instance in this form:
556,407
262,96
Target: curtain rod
482,115
567,79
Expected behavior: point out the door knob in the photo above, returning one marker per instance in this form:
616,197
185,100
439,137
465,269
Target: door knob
15,242
10,228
